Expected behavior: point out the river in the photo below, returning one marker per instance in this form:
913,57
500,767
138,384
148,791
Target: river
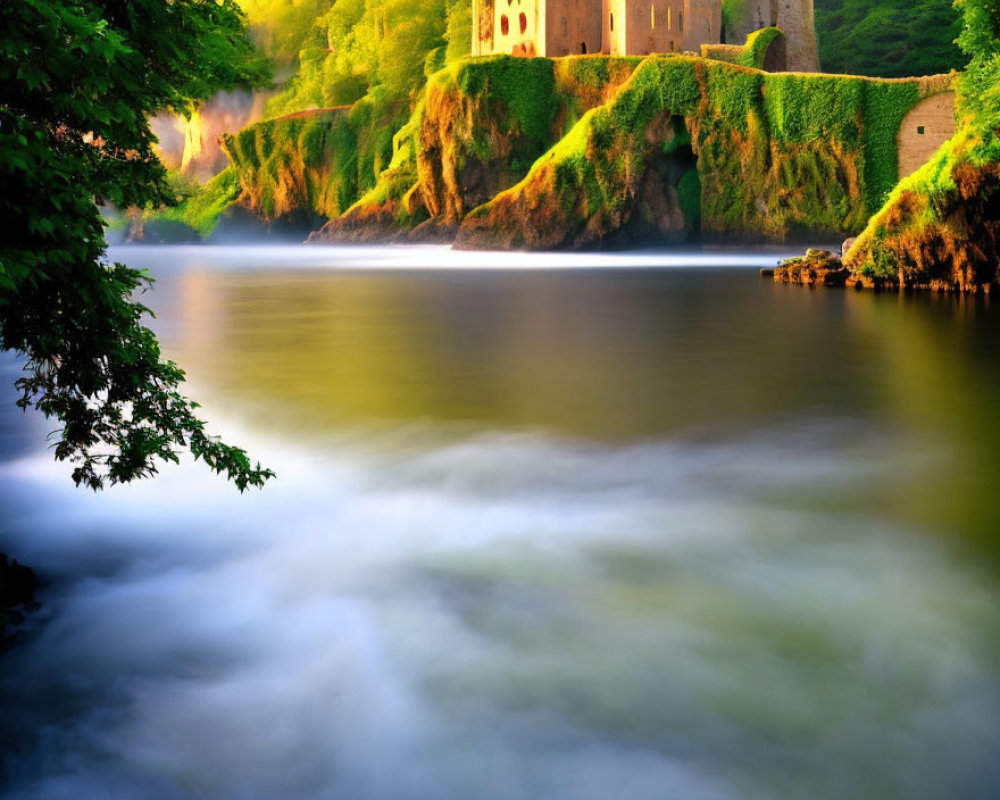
571,527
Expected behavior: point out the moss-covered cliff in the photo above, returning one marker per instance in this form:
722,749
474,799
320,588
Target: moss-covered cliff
691,143
312,164
940,228
587,150
480,126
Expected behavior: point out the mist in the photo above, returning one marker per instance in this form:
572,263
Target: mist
458,598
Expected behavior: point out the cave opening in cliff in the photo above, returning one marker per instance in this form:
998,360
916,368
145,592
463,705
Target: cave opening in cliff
668,199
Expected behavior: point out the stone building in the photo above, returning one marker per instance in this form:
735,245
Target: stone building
794,17
539,27
614,27
928,125
660,26
637,27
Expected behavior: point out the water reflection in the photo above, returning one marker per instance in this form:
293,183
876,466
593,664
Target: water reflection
559,534
600,355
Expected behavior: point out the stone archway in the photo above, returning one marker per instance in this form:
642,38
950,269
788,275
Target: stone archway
928,125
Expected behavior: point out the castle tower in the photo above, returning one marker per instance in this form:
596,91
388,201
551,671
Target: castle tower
615,27
640,27
538,27
794,17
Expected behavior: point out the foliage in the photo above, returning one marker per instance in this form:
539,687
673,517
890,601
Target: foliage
756,47
283,28
778,155
979,86
476,131
199,207
358,46
733,12
751,54
941,225
77,83
888,38
314,163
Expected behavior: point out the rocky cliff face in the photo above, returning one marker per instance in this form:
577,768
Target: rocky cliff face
313,164
794,17
940,229
480,127
587,151
691,145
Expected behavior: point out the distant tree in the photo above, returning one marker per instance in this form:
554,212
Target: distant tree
888,38
979,86
78,81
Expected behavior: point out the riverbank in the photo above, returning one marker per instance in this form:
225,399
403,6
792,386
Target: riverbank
17,598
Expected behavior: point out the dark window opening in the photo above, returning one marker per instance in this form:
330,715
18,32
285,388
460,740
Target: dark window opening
504,25
611,21
522,21
583,48
920,129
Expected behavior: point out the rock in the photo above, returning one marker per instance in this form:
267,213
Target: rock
17,595
815,268
17,583
847,245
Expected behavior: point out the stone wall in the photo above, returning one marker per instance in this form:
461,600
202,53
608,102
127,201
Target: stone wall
518,28
659,26
928,125
794,17
572,27
702,23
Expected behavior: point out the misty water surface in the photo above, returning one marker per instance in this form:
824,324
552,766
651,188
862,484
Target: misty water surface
592,527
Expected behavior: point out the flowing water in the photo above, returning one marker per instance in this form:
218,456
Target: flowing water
561,527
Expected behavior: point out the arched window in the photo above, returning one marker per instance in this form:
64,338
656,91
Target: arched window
583,48
611,21
652,17
669,21
565,26
504,25
680,21
522,21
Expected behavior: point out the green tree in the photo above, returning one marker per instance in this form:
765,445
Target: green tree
888,38
979,86
78,81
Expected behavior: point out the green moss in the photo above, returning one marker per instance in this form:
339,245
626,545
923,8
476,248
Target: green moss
889,102
801,108
732,93
758,43
526,87
689,198
435,60
928,219
778,154
198,212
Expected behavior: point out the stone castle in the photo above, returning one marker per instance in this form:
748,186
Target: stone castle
555,28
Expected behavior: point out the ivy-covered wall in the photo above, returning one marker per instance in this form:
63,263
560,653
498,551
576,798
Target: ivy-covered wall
479,127
313,163
777,156
574,151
